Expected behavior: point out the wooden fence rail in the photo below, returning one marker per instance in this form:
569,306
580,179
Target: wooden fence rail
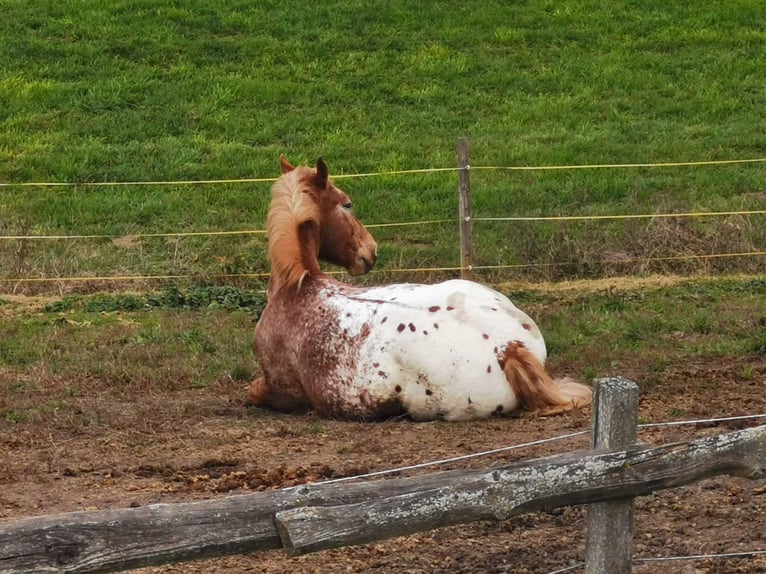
309,517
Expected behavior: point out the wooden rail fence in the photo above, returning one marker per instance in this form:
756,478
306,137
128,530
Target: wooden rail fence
314,517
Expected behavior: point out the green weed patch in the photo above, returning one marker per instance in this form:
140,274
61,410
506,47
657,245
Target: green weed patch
171,298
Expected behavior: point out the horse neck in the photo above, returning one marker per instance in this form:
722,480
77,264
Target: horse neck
294,256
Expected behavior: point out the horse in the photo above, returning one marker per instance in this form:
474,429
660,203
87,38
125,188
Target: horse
451,351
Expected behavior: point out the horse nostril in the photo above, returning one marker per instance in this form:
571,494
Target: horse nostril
367,264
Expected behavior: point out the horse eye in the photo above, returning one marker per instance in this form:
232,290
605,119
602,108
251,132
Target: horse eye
348,205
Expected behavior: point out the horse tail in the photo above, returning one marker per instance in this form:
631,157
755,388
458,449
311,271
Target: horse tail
536,390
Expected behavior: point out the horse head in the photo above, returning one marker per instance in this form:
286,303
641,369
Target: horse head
306,198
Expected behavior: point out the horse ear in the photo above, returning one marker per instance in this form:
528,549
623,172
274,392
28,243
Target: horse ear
322,173
285,165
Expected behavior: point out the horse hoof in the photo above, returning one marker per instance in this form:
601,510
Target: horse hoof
256,392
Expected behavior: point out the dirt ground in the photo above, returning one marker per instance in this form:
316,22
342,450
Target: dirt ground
203,443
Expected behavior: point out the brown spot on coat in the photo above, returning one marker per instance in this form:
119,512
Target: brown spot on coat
527,326
400,328
412,327
450,308
434,308
384,320
429,392
489,368
485,335
398,388
382,374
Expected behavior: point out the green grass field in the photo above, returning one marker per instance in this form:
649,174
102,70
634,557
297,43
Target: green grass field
163,91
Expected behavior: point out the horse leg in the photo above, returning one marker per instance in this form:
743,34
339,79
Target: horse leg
256,395
279,395
538,393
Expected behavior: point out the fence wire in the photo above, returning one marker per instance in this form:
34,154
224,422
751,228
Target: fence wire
126,278
388,173
179,234
485,453
520,218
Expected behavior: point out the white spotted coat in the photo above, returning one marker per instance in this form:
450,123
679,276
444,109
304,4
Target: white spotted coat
434,348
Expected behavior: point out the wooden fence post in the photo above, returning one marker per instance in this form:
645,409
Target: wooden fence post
466,224
609,544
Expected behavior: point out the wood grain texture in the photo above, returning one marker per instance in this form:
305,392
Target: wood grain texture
609,544
445,499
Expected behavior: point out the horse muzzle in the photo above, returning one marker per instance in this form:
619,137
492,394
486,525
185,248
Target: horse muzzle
362,265
365,258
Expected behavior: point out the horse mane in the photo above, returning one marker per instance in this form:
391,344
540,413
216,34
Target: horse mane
293,213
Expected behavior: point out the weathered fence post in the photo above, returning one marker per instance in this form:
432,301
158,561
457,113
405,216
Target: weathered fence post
609,545
466,224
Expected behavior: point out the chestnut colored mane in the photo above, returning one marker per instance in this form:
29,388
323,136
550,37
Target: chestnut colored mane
293,228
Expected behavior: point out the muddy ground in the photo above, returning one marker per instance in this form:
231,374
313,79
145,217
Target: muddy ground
204,443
